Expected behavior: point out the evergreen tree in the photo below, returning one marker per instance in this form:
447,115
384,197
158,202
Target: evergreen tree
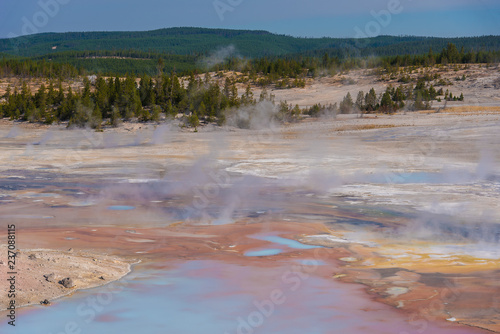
346,104
96,119
193,120
115,116
81,116
247,98
156,113
51,94
41,98
386,104
60,93
371,100
360,101
86,88
101,97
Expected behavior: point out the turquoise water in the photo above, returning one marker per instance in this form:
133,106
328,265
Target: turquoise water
265,252
121,207
82,203
311,262
286,242
215,297
455,177
403,178
280,241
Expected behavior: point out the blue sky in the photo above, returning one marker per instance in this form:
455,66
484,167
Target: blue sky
313,18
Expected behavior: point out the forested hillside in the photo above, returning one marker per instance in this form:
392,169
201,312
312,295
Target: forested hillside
196,41
164,59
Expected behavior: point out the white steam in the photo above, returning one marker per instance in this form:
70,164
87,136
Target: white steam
259,116
219,56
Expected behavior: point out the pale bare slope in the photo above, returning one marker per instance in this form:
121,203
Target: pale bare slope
40,272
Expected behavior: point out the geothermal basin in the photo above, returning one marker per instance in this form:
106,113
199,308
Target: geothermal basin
292,229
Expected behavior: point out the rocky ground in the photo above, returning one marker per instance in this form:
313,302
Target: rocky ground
423,186
44,275
480,86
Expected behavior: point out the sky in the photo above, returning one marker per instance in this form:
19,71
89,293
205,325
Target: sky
312,18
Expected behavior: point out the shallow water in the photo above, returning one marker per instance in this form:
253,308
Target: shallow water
289,243
216,297
286,242
403,178
121,207
210,296
264,252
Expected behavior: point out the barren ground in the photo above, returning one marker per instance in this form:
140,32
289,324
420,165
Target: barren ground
406,203
40,272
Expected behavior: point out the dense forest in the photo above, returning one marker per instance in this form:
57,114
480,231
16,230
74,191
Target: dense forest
123,61
246,43
112,63
28,68
116,99
290,71
198,49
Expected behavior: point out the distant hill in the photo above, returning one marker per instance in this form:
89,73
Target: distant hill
247,43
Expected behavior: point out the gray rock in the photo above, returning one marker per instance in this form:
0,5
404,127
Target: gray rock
66,282
49,277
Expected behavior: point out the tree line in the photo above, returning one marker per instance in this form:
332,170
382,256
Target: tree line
289,71
29,68
286,71
411,98
116,99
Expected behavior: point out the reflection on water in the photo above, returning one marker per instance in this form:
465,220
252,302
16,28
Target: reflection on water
216,297
222,297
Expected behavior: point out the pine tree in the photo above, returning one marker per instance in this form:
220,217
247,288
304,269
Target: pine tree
101,96
227,87
371,100
247,98
80,117
60,93
386,103
86,87
193,120
115,116
202,110
41,98
346,104
170,109
96,119
234,101
360,101
51,94
156,113
430,56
